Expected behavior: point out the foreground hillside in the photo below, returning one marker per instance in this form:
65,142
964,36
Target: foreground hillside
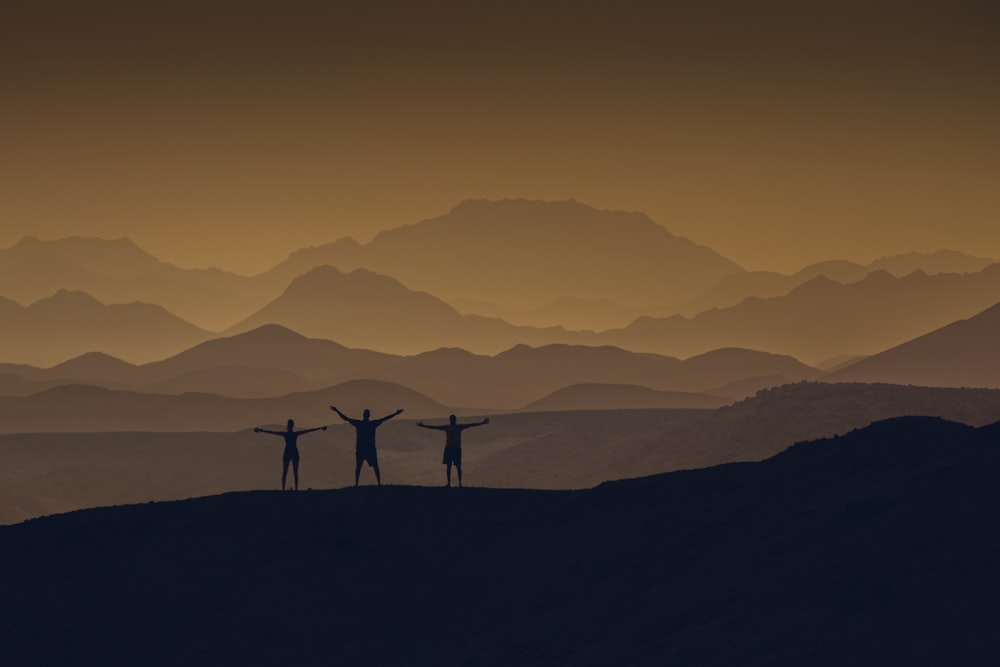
43,473
869,549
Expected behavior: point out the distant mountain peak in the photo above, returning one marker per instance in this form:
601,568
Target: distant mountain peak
67,298
345,243
270,332
90,362
819,284
27,242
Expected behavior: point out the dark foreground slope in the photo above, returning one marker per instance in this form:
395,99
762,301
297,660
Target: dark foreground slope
877,547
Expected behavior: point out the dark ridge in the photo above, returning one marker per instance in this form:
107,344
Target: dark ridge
878,547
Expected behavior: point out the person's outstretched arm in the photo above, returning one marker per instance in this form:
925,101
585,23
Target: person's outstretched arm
482,423
388,417
310,430
343,416
264,430
436,428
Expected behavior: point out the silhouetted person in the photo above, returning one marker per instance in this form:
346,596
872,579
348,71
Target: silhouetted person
365,444
453,443
291,454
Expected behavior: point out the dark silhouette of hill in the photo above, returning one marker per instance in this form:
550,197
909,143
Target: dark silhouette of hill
587,448
363,309
821,318
118,271
620,397
559,249
47,472
732,290
85,408
962,354
867,549
740,389
68,324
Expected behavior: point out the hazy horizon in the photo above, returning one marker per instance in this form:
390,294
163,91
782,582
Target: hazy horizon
229,135
861,256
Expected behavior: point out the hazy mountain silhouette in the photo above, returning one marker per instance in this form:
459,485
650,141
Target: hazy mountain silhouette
732,290
68,324
94,366
867,549
85,408
363,309
118,271
272,347
236,382
524,374
560,249
13,384
942,261
266,362
620,397
821,318
569,312
270,352
962,354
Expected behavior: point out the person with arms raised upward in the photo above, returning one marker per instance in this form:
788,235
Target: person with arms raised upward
291,454
453,443
364,429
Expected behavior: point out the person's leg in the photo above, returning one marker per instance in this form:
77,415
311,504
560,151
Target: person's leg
458,467
357,472
284,473
295,471
448,473
378,475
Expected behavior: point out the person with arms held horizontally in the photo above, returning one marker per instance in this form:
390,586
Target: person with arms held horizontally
453,443
291,454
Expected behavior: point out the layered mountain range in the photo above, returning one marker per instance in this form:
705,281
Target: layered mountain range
562,264
272,361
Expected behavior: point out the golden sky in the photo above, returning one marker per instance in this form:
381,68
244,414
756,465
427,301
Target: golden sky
777,133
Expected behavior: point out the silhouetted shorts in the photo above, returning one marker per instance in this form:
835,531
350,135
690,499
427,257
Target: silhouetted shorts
366,454
290,457
452,455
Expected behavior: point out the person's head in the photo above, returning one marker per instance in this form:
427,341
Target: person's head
451,418
291,424
366,414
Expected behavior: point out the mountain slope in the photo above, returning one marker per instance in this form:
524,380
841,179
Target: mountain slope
962,354
619,397
81,408
868,549
68,324
524,254
524,374
363,309
266,362
117,271
732,290
821,318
